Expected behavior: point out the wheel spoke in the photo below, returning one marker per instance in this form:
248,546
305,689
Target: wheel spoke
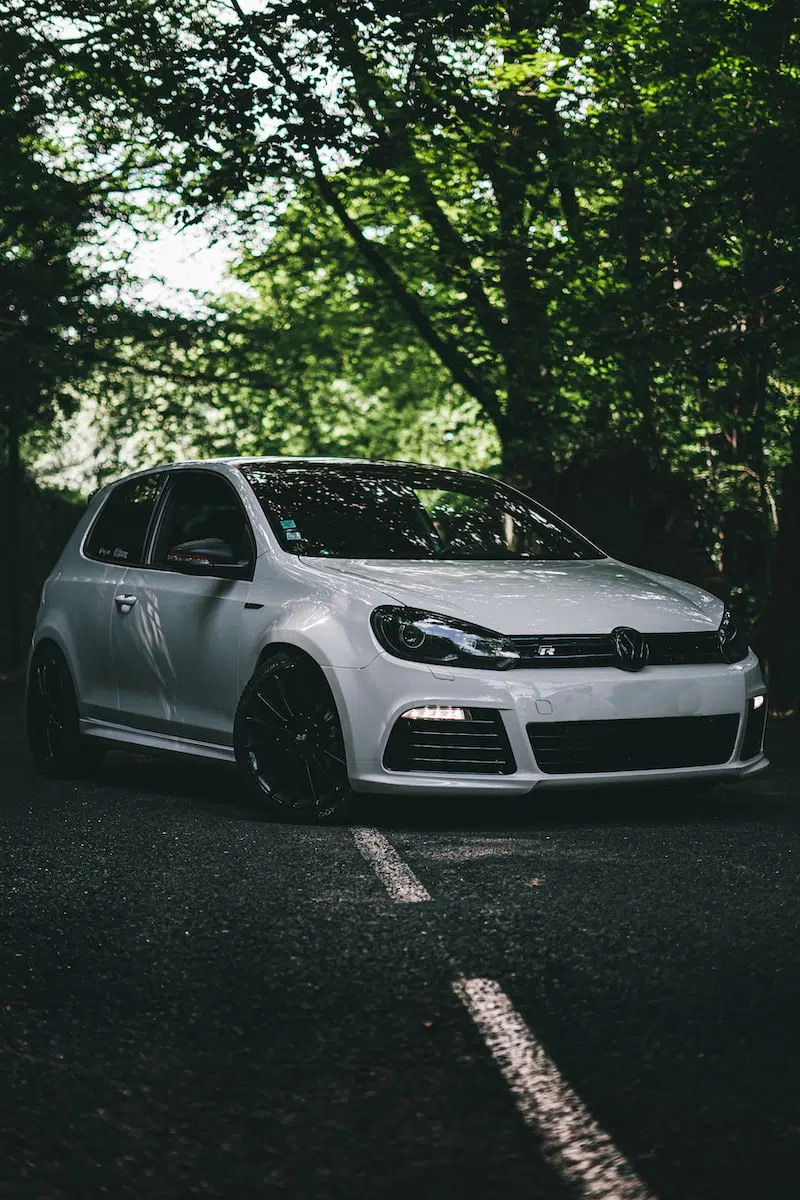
50,709
332,780
48,738
335,757
280,686
252,719
270,708
312,785
46,689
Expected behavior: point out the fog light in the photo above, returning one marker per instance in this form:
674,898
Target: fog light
436,712
757,701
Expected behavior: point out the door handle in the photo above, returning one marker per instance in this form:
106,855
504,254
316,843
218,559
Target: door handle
125,603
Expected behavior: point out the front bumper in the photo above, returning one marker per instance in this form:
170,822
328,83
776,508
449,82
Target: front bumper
371,699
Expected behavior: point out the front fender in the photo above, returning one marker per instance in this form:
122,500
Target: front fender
334,635
326,617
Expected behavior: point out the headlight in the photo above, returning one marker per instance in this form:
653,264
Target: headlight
427,637
732,639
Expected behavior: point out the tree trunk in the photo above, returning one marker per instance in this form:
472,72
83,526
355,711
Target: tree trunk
527,436
783,635
12,517
747,527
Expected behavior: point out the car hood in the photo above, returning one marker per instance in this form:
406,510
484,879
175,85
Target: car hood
535,597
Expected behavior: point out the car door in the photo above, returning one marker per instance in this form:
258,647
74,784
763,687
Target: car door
175,639
86,588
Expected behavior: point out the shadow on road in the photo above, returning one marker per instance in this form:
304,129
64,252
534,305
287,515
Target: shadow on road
574,809
213,787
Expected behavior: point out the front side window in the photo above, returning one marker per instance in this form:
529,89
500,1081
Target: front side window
404,512
118,535
202,512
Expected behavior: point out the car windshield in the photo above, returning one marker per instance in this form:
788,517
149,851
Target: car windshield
387,511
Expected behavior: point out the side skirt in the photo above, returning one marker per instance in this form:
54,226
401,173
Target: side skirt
106,731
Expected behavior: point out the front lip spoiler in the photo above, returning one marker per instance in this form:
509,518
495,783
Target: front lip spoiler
524,783
728,773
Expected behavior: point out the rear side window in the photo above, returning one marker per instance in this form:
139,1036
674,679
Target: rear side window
119,532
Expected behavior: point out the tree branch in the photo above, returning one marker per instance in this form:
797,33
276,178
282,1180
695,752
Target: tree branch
561,175
445,348
374,100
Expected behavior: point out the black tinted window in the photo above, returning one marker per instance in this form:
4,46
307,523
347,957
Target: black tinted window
387,511
118,533
203,508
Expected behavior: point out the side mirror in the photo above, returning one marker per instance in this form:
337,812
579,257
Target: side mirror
206,556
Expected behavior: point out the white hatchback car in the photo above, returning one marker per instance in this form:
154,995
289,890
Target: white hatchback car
338,626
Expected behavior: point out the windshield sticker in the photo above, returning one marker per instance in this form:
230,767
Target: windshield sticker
120,553
290,524
293,535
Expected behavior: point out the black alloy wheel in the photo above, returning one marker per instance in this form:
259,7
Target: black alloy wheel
52,718
288,742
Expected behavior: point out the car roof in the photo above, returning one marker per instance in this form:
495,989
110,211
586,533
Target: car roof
253,460
313,459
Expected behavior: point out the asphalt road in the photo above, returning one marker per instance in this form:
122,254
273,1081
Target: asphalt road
582,992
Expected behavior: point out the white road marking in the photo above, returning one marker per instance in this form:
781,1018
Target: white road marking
399,880
572,1141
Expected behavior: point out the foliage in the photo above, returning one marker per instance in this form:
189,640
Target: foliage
573,221
43,295
47,516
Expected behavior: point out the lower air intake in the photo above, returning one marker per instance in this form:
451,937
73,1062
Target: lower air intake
475,746
753,742
643,744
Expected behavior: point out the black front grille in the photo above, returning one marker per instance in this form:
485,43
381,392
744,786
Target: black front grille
478,746
597,650
564,650
643,744
671,649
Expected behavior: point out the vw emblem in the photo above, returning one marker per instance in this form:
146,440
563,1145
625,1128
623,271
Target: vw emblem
631,651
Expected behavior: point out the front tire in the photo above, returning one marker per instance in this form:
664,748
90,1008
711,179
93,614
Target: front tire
52,720
288,742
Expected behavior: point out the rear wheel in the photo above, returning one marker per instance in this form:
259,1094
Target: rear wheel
52,719
288,742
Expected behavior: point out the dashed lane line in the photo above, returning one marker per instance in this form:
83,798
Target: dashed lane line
396,876
572,1142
